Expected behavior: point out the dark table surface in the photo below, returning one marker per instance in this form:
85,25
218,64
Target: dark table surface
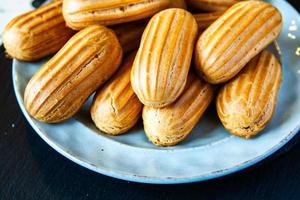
30,169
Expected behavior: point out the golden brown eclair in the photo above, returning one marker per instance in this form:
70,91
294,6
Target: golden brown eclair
177,4
163,60
37,33
170,125
116,108
211,5
204,20
61,86
241,33
246,104
81,13
130,34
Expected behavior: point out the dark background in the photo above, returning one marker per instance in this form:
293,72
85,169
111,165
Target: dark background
30,169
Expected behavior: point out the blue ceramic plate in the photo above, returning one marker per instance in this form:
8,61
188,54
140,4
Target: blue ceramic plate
209,152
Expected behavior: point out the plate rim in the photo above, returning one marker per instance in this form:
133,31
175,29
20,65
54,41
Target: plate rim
147,179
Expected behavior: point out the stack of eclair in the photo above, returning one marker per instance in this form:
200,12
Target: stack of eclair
152,59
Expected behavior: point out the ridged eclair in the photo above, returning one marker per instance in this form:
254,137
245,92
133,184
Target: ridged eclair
246,104
36,34
61,86
82,13
116,108
130,34
163,60
241,33
170,125
204,20
211,5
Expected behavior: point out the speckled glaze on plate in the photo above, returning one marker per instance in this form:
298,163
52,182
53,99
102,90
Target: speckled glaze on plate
209,152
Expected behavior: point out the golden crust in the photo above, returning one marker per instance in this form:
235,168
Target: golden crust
60,87
211,5
170,125
37,33
163,60
130,34
81,13
246,104
235,38
116,108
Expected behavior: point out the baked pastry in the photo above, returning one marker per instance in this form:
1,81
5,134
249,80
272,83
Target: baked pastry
246,104
170,125
61,86
241,33
163,60
36,34
82,13
116,108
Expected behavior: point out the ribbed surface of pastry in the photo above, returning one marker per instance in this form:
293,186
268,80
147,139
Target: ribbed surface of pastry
37,33
81,13
241,33
246,104
60,87
169,125
116,108
163,60
130,34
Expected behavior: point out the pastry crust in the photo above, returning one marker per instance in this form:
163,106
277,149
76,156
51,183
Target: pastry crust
241,33
116,108
37,33
81,13
170,125
163,60
61,86
246,104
